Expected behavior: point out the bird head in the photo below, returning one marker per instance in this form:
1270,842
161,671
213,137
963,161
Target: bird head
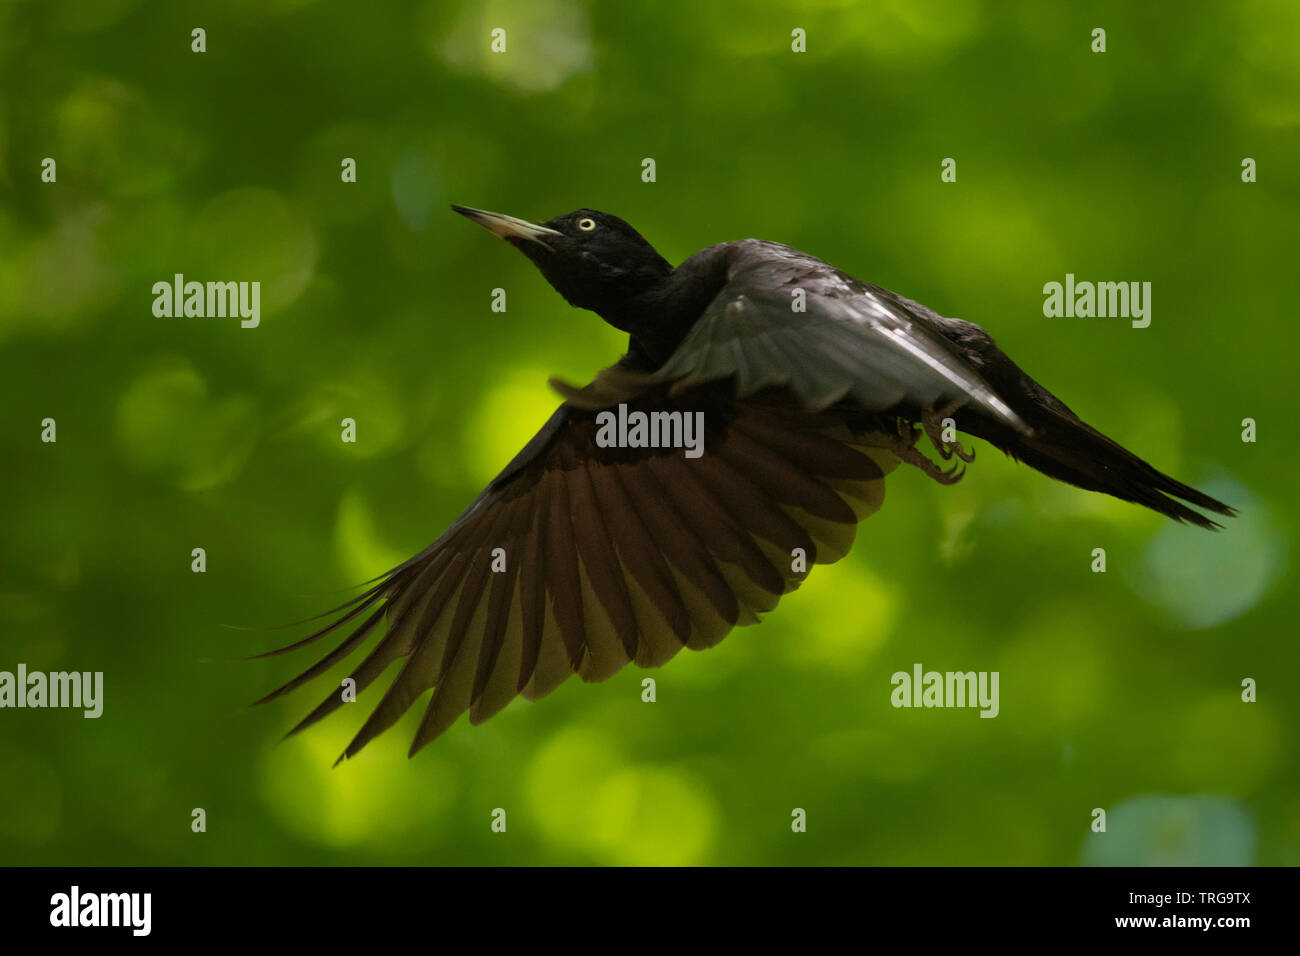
595,260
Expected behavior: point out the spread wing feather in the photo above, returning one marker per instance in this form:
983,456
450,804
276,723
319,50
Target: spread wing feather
612,556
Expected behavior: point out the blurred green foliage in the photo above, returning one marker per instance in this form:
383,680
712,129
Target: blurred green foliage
1119,690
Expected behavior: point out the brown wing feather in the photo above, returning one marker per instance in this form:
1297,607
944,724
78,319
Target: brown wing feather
612,556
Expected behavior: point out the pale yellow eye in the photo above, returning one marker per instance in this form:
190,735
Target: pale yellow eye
586,225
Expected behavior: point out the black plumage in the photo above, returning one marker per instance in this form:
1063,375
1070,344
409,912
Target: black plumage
813,386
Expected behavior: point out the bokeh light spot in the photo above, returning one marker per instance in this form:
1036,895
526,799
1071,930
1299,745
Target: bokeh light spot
1160,830
1203,580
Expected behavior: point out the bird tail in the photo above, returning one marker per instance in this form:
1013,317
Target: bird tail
1066,448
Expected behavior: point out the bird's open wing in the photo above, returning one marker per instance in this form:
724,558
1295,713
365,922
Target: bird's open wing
580,558
787,318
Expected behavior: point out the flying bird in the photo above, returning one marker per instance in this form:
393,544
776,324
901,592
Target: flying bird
585,554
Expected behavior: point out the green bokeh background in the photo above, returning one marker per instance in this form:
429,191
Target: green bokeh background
1118,690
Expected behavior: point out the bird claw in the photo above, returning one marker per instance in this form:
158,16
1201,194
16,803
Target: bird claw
932,421
951,476
905,448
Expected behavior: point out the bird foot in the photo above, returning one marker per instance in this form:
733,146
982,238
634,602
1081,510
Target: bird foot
932,421
905,449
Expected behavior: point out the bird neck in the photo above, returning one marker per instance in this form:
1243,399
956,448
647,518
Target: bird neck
659,318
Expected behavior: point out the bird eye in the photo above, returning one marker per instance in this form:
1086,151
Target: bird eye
586,225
